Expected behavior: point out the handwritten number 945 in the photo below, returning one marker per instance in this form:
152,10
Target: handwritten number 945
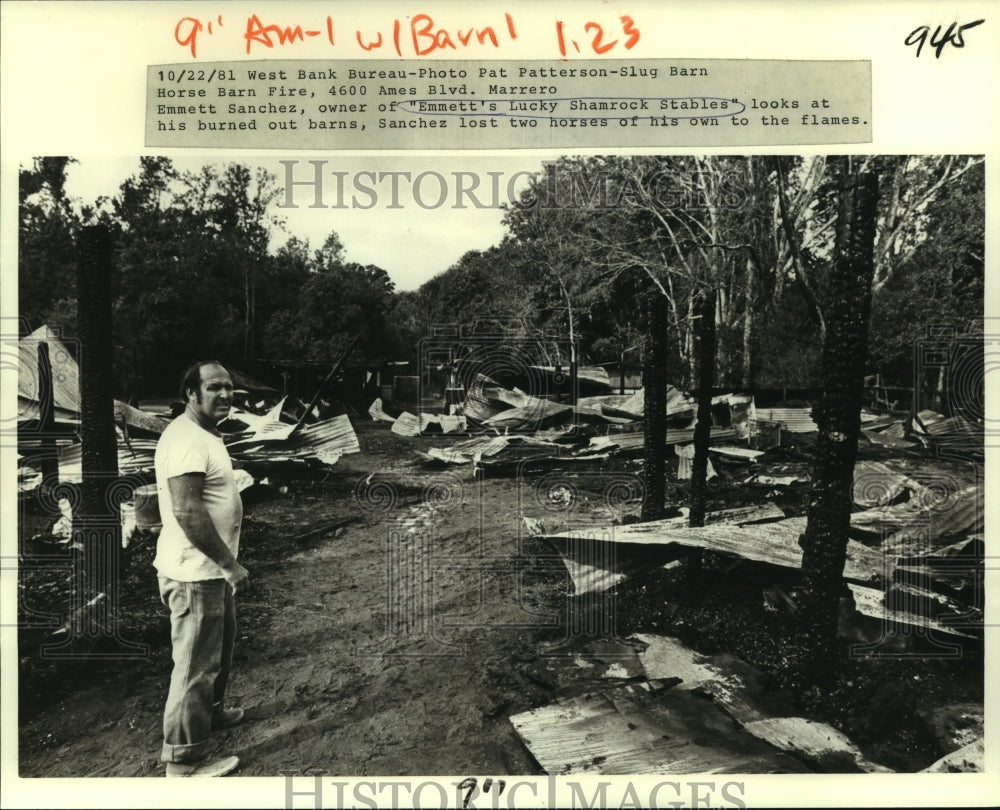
597,37
953,35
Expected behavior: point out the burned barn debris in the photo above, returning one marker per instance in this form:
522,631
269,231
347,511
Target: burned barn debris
648,702
680,571
268,435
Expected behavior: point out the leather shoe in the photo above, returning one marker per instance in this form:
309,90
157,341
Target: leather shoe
226,718
201,768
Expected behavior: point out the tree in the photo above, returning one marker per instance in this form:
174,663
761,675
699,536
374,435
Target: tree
46,259
172,304
334,301
838,415
240,213
654,381
941,283
612,321
675,222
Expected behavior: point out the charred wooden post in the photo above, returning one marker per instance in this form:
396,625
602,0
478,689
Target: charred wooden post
838,414
654,380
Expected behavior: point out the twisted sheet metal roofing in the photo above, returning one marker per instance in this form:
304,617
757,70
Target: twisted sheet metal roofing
134,457
65,375
794,420
326,440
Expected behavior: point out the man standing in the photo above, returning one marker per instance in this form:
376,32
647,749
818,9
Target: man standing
196,566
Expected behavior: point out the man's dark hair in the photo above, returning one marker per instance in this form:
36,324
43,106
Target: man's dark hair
191,381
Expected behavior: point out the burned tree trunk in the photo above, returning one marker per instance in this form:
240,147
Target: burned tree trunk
96,528
654,381
705,354
97,427
838,415
748,331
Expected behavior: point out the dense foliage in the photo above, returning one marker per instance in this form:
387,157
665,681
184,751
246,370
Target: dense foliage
199,270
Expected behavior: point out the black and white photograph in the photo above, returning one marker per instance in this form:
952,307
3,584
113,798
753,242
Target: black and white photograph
677,470
369,451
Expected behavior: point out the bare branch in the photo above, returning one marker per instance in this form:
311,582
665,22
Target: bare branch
796,255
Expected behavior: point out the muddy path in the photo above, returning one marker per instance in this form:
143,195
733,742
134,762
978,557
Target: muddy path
395,643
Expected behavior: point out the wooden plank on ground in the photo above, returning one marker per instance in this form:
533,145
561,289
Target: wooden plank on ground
532,465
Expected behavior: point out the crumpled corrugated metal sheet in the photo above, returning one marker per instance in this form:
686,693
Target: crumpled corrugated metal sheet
794,420
326,441
65,376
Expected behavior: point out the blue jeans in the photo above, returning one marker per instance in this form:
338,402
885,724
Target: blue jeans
202,632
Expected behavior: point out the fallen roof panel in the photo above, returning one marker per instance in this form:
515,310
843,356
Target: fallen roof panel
594,567
794,420
877,484
774,543
870,602
134,457
969,759
133,417
811,740
933,512
637,730
634,407
326,441
630,443
65,373
532,412
742,691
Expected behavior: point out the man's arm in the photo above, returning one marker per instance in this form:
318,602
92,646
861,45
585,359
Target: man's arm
193,518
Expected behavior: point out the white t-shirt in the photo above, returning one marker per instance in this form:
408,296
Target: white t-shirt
185,447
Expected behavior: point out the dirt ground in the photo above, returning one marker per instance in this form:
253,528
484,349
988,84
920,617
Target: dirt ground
396,619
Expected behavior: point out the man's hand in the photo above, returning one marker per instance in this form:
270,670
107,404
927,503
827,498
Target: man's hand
237,576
